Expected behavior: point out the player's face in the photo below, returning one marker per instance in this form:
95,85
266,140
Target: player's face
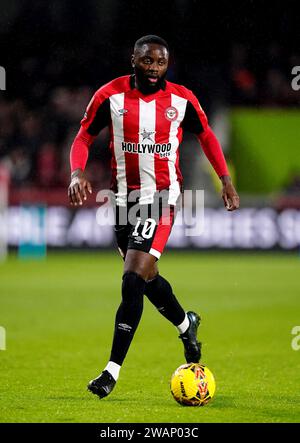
150,65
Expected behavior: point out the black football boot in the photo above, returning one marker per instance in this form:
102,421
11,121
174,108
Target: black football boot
102,385
192,348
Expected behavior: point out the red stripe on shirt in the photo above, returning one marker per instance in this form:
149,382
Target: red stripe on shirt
162,134
113,163
131,134
177,164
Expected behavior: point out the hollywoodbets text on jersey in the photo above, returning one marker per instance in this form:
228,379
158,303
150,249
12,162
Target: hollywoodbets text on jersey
140,148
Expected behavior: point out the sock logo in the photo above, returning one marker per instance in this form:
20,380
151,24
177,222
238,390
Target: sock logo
161,309
124,327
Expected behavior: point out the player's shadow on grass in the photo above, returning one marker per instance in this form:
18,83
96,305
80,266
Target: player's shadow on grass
155,402
68,398
91,397
220,402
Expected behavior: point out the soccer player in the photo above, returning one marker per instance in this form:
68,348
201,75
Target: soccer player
146,115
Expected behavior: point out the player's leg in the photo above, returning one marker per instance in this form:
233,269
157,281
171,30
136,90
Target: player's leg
151,235
160,293
137,267
140,248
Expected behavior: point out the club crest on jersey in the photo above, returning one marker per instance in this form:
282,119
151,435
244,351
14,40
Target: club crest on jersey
171,113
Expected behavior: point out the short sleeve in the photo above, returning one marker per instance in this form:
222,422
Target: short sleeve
195,119
96,116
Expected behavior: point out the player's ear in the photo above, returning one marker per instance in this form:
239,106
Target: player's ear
132,61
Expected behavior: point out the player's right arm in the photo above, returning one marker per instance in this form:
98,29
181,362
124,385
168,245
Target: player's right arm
96,117
79,186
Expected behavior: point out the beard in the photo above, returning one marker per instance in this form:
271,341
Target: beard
144,85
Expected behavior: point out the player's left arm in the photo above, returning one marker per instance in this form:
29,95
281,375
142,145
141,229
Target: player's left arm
213,151
196,121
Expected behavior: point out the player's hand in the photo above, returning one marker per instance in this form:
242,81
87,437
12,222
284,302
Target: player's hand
79,188
229,194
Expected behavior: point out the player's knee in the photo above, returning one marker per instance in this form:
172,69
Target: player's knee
133,286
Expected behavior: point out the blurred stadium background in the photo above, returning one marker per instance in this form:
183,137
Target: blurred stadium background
239,62
238,58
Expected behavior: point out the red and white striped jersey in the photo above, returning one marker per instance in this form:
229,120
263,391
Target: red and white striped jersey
146,131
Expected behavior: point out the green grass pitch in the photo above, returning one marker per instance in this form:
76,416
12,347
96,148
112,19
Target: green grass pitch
59,316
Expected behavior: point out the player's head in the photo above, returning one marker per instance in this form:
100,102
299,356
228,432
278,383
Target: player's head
150,62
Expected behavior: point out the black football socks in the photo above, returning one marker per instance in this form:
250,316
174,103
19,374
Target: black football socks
128,315
160,293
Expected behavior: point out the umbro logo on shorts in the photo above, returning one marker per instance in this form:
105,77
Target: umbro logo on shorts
138,239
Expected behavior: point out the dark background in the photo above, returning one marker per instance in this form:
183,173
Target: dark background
45,44
56,54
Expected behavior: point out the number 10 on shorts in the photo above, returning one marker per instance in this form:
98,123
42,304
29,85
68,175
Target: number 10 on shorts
148,228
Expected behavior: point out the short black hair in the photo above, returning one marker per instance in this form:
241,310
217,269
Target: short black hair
150,39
